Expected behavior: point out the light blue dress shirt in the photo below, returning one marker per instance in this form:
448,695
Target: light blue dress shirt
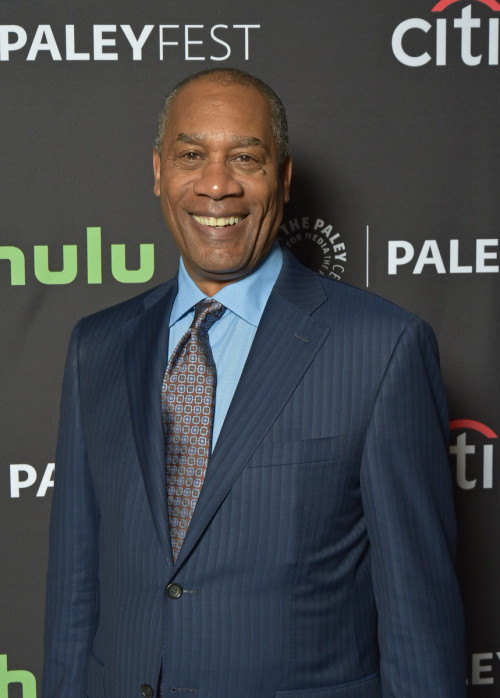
230,337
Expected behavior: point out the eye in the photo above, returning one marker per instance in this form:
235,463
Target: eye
189,158
246,161
191,155
245,158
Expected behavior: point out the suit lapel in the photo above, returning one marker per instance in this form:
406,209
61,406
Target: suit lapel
146,347
286,342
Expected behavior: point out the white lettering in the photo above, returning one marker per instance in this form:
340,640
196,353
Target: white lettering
393,261
455,268
71,54
482,256
44,40
137,43
47,480
488,466
493,45
461,451
246,27
441,42
397,42
105,41
16,483
478,669
23,476
100,42
466,24
189,41
430,254
166,43
219,41
6,46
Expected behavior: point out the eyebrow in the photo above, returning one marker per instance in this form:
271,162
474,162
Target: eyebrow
241,141
190,138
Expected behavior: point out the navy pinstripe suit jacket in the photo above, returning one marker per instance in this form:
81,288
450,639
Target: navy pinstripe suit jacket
319,561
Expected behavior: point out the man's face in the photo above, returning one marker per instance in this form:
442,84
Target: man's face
220,182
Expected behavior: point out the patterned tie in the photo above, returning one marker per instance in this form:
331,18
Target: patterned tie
188,397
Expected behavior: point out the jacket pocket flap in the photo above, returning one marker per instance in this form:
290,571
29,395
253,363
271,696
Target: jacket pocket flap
303,451
368,687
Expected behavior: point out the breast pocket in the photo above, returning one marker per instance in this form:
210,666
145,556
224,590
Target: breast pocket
306,451
291,492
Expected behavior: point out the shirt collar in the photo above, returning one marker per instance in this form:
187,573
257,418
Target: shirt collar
246,297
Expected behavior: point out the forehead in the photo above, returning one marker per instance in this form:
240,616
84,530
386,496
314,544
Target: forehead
210,108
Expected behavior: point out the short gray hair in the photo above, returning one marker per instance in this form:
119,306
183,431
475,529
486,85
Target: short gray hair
233,76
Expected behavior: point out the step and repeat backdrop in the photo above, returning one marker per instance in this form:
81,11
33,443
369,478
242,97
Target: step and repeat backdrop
393,110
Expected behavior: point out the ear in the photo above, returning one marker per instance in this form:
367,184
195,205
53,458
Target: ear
286,178
156,170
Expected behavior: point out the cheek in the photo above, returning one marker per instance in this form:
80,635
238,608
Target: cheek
272,205
265,198
173,189
171,208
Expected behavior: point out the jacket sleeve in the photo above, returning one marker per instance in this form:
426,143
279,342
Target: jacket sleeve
71,598
408,502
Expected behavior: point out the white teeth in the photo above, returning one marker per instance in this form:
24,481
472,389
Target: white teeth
217,222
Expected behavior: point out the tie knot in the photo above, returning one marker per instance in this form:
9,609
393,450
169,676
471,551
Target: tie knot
207,312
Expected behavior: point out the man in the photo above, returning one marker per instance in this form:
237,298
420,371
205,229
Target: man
317,559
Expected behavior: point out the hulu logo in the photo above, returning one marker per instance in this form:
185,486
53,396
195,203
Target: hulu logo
25,678
69,270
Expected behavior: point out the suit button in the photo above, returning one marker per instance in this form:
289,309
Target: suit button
174,591
147,691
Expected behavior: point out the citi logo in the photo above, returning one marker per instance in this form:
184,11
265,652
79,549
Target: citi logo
473,453
417,41
45,274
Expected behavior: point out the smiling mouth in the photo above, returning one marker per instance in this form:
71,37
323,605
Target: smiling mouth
218,222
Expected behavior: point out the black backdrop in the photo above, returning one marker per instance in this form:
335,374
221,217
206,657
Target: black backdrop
393,109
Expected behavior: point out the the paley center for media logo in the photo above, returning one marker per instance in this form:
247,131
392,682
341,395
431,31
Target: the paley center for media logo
451,29
315,243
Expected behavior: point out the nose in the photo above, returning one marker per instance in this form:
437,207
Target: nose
216,180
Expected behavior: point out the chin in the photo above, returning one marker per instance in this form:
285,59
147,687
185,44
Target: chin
220,265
